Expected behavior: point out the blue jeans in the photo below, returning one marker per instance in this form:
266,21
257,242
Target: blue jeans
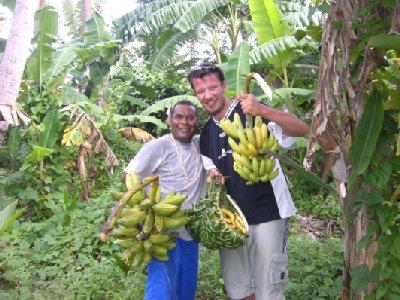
175,279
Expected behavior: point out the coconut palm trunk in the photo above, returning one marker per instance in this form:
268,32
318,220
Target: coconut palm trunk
13,62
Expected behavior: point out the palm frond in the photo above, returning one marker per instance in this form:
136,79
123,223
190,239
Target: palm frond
276,46
169,50
161,105
198,11
166,15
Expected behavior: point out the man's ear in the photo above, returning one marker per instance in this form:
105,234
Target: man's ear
224,84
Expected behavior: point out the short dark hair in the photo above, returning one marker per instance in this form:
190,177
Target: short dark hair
183,102
205,69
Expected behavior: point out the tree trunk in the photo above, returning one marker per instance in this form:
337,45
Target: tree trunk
13,63
339,106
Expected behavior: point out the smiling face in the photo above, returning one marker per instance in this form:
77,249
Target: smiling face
183,122
211,93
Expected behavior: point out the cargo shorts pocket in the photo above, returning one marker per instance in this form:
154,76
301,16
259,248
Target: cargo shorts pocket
279,270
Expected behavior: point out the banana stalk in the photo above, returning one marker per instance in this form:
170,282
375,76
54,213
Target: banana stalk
120,205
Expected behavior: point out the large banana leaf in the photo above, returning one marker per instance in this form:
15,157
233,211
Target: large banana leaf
123,24
63,59
166,15
161,105
272,48
269,25
366,136
95,31
71,14
198,11
49,136
169,50
237,69
46,29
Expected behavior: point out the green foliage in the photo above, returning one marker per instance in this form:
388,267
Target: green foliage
8,215
315,269
237,69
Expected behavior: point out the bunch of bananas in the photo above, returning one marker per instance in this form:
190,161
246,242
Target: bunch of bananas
248,147
233,220
143,223
216,221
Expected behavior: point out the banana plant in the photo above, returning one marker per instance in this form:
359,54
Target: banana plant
8,215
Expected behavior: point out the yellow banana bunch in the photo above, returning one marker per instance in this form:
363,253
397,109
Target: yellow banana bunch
248,149
143,222
233,220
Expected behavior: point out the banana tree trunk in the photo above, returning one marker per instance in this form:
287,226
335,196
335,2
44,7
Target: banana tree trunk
339,106
13,63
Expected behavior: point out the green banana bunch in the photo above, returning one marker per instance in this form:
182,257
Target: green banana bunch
143,223
248,149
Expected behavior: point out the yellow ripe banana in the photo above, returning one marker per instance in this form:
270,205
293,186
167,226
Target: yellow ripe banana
235,147
241,133
251,137
227,219
227,212
264,132
159,239
232,226
164,209
237,121
259,139
228,127
252,150
255,165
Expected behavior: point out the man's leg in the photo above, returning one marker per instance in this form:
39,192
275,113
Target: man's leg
188,268
237,270
162,278
270,259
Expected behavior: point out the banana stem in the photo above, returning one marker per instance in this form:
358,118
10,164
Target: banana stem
249,118
112,218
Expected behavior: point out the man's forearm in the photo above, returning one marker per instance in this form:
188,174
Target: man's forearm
290,124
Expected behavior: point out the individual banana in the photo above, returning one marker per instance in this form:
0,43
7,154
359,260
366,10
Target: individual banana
174,199
159,239
228,127
148,222
251,137
171,223
164,209
125,232
145,204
